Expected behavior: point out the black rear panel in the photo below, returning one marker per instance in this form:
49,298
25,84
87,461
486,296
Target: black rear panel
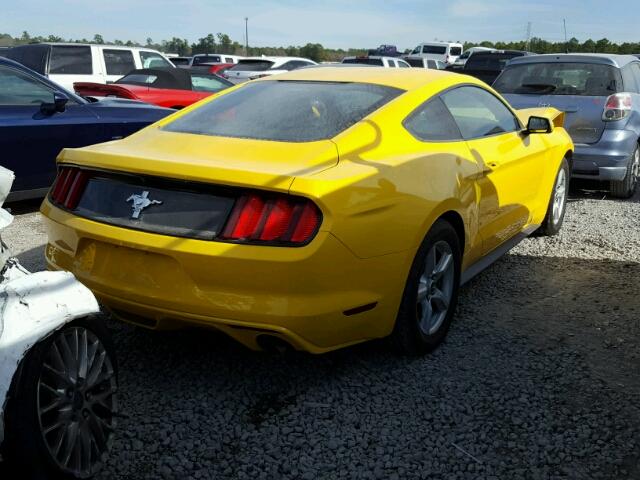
169,207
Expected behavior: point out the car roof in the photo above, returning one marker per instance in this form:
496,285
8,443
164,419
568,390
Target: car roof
599,58
403,78
440,43
73,44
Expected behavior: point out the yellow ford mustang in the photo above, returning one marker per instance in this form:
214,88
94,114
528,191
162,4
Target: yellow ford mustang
318,208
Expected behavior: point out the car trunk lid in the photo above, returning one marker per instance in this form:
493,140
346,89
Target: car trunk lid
184,185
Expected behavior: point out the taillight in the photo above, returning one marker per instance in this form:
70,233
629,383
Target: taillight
281,219
69,187
617,107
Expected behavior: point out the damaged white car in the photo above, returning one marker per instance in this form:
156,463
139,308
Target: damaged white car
57,370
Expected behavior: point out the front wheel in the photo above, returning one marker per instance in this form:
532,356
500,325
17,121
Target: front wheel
62,406
626,187
557,207
430,294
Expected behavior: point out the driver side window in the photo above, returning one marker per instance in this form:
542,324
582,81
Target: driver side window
17,88
478,113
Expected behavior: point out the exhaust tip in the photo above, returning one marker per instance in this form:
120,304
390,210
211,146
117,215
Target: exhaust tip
272,344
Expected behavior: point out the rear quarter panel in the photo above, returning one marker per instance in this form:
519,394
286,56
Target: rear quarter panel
389,188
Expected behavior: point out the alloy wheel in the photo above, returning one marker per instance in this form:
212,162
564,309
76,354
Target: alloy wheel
435,288
635,168
76,401
559,196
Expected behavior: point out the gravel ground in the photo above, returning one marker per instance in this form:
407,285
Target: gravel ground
538,379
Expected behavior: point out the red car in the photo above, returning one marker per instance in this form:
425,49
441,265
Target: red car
165,87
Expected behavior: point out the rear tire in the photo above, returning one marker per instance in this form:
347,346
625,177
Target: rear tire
626,187
65,383
557,207
431,293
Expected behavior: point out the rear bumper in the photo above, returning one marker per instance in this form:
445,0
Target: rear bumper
300,295
607,159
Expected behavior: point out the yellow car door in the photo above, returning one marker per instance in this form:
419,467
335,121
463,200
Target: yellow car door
512,163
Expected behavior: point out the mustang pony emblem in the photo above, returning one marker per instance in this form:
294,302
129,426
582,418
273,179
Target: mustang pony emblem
140,202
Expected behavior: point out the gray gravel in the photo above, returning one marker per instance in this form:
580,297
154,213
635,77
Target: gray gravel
538,379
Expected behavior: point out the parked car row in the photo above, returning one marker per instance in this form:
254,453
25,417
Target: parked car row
486,65
66,64
204,58
293,188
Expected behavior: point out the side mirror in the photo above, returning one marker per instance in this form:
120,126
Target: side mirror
59,104
539,125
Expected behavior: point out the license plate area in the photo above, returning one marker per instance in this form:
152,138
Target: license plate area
150,204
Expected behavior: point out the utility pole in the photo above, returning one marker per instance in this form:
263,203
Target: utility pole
246,36
566,43
528,36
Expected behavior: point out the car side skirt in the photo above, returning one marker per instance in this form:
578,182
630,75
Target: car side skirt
495,254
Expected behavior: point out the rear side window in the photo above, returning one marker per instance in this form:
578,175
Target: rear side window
478,113
440,50
635,68
118,62
455,51
432,64
138,79
629,79
70,60
402,64
285,111
251,66
208,83
570,78
433,122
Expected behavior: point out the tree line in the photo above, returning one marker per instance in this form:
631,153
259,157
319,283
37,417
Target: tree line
222,43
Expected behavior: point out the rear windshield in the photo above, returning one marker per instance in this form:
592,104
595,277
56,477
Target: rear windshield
286,111
252,66
198,59
489,61
455,51
441,50
560,79
365,61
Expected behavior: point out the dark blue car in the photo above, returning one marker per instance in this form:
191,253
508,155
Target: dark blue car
39,118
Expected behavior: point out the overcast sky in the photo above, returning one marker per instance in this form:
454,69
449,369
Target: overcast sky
333,23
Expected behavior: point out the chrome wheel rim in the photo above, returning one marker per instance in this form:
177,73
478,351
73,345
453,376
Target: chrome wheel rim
76,401
559,196
435,288
635,168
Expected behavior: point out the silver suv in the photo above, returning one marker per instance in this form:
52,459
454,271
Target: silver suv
600,95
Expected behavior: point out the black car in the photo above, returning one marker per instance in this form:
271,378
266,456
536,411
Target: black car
486,66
